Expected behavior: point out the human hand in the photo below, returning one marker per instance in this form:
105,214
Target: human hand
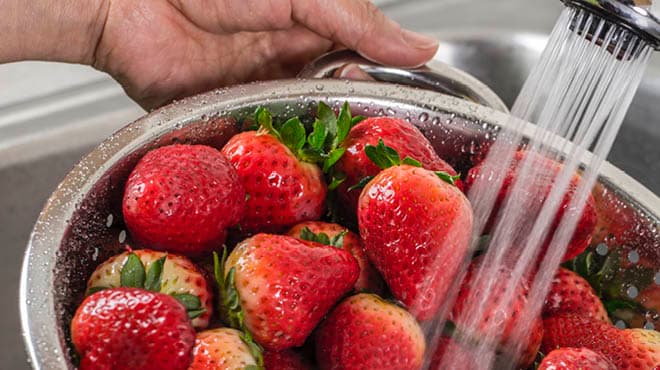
160,50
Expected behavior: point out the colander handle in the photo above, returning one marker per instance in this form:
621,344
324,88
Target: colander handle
434,76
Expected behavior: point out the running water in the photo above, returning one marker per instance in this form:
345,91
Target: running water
577,95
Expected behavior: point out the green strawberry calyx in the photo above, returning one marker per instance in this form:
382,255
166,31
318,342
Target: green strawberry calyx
134,275
385,157
231,311
609,280
321,143
323,238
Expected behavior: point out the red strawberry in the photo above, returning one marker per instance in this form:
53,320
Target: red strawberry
285,360
401,135
177,276
182,198
570,293
284,285
128,328
282,190
627,349
575,358
366,332
416,229
496,321
223,349
541,187
339,236
461,356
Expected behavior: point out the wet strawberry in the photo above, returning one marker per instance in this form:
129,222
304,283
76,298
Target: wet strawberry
541,186
172,274
223,349
285,360
416,228
366,332
129,328
279,287
396,133
496,323
281,189
626,349
575,358
182,198
570,293
339,236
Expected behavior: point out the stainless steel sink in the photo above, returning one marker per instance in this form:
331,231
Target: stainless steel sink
497,42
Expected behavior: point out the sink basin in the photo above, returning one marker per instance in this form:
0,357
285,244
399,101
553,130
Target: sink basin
483,39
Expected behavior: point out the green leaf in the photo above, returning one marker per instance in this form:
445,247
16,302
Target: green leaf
326,115
96,289
132,273
292,134
255,350
382,155
310,155
444,176
365,180
155,274
338,240
307,234
193,314
411,162
333,157
357,119
264,119
337,179
189,301
344,124
318,135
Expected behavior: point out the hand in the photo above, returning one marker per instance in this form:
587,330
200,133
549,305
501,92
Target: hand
160,50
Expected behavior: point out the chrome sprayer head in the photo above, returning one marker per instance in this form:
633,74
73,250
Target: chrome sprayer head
634,15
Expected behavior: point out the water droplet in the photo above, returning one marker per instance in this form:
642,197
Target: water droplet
602,249
633,256
391,111
620,324
649,326
319,87
423,117
122,236
632,291
657,278
108,221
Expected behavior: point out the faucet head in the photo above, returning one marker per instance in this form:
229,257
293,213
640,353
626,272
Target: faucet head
634,15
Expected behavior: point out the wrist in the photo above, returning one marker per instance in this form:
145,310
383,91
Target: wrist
53,30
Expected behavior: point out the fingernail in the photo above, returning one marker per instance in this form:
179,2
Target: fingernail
418,40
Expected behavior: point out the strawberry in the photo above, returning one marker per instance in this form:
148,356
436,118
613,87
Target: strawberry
225,349
339,236
182,198
575,358
285,360
461,356
495,320
541,187
416,229
161,272
366,332
627,348
278,287
570,293
282,189
130,328
401,135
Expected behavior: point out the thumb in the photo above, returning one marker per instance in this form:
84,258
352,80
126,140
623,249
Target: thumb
361,26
